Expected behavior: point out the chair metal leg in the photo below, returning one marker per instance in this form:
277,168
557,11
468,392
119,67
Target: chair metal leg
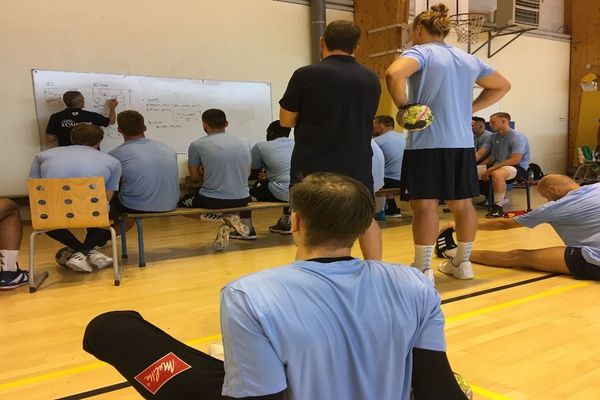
122,223
528,194
115,254
140,232
34,283
490,199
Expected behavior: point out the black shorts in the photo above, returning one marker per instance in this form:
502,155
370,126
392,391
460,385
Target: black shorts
579,267
442,174
390,183
261,192
117,208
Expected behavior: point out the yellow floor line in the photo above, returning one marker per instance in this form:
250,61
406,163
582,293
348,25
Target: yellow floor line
487,393
215,338
522,300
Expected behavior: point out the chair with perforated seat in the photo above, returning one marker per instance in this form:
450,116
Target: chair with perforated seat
64,204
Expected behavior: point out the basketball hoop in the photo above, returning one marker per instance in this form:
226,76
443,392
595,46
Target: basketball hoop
468,26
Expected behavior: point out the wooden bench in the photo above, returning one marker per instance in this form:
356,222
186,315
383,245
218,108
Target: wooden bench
138,217
257,205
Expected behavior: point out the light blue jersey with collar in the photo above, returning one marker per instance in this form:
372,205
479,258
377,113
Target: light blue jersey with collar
339,330
392,144
444,82
77,161
226,160
501,147
275,157
575,218
378,166
150,180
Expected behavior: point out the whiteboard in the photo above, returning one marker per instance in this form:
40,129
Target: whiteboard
171,107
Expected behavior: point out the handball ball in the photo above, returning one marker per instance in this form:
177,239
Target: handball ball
414,117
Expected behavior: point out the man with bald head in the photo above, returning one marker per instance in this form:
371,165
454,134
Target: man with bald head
574,213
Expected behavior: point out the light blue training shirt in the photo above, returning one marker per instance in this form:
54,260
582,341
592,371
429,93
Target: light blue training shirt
444,82
275,157
150,179
480,141
576,219
501,147
392,144
76,162
339,330
226,160
377,166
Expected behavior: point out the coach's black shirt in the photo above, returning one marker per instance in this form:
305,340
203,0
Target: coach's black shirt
336,100
61,123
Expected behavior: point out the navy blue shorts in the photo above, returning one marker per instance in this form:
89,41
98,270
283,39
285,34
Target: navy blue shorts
579,267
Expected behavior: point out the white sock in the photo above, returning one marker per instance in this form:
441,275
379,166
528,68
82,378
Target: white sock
463,252
9,259
380,204
499,198
423,257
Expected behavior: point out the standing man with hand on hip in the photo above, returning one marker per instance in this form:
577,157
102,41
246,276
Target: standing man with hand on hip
331,105
439,161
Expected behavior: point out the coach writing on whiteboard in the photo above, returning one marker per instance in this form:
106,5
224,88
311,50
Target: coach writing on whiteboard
61,123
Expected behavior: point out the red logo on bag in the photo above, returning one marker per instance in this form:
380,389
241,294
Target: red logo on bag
161,371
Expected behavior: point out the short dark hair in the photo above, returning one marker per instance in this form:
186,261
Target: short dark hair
70,97
86,134
214,118
334,209
275,130
385,120
342,35
131,123
479,119
504,115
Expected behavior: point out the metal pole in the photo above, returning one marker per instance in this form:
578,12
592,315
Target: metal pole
317,27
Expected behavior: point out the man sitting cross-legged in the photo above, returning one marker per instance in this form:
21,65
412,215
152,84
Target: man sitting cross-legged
327,326
82,159
11,231
573,212
222,162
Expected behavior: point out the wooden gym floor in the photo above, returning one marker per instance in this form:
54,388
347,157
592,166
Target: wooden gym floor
513,334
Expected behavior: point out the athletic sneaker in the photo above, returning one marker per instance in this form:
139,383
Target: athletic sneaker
429,274
496,212
463,271
234,221
393,213
379,216
98,259
281,228
250,236
13,279
222,240
444,242
79,262
63,255
212,218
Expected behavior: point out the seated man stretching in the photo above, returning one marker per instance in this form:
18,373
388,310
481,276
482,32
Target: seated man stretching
327,326
222,162
573,212
82,159
11,231
507,158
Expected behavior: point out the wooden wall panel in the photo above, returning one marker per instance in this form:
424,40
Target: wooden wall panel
375,14
583,20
